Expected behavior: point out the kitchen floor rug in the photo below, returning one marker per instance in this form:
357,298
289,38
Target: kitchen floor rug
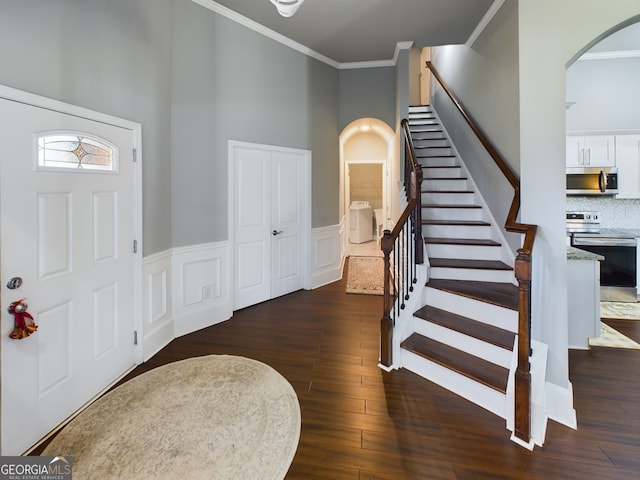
610,337
621,310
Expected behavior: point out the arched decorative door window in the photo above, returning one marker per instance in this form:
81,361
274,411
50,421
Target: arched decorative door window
76,151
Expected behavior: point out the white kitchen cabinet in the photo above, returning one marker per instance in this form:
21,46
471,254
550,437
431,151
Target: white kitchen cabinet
590,151
628,163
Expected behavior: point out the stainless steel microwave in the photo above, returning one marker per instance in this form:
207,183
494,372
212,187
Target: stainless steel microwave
592,181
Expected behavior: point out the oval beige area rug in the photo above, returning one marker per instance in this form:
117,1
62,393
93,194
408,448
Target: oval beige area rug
212,417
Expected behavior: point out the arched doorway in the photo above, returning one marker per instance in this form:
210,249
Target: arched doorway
367,154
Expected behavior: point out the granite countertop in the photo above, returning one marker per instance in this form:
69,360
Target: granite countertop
574,253
635,232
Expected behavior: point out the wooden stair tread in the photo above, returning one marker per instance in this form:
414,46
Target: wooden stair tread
487,373
467,326
469,263
496,293
462,241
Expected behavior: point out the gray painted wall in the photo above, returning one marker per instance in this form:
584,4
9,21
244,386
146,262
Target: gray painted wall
606,94
194,80
110,56
229,82
548,43
485,79
367,92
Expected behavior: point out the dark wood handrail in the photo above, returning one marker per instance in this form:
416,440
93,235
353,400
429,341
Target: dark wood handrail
511,224
413,185
522,420
406,243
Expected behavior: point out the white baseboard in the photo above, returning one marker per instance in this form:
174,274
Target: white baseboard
197,320
559,404
156,340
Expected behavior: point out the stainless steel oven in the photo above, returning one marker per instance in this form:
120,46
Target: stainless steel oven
618,270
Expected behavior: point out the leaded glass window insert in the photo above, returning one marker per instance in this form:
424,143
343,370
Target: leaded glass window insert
75,151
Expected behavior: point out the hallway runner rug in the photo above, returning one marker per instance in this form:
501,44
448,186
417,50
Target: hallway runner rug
365,275
217,416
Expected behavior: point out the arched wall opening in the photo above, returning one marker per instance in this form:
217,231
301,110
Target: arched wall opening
368,154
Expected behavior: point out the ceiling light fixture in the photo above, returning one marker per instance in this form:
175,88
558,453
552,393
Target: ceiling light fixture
287,8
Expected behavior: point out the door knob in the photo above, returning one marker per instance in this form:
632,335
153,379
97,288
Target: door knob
14,283
276,232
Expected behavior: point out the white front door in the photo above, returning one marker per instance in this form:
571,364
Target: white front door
67,231
270,221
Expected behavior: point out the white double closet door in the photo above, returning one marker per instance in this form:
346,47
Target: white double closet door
270,212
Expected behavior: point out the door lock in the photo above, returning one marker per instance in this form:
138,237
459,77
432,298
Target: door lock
14,283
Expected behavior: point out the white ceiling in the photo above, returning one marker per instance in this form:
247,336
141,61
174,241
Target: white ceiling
351,31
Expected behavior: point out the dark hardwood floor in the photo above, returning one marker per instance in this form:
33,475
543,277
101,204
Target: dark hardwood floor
359,422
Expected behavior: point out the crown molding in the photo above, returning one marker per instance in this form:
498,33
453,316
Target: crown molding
267,32
273,35
493,9
378,63
613,55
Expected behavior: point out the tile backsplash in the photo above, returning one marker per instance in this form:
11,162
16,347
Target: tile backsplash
615,213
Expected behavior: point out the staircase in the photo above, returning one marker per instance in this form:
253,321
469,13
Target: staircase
463,337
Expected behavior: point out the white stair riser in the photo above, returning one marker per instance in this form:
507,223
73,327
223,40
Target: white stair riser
431,142
486,351
439,162
488,313
423,119
473,391
473,252
430,135
469,214
432,151
460,184
456,231
442,172
419,108
472,274
448,198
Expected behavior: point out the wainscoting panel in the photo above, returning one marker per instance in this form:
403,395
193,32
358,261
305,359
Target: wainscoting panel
201,293
157,315
188,288
327,255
